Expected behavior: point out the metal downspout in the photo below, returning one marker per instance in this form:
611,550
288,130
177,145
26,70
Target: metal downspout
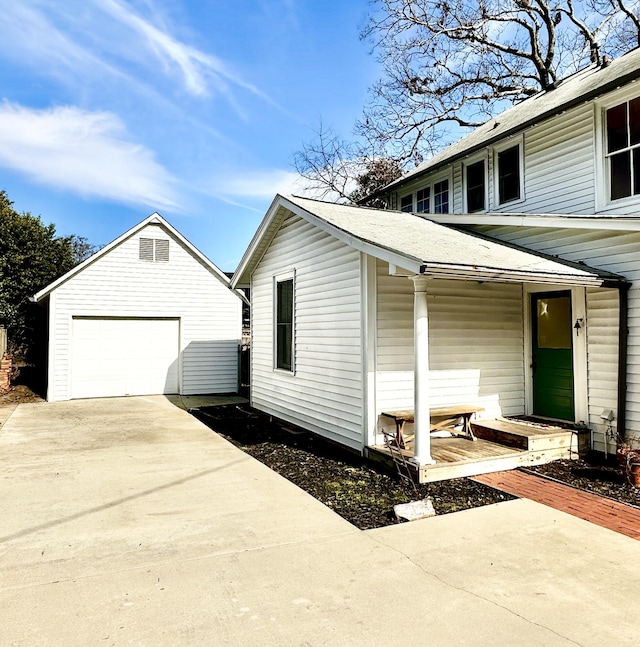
623,334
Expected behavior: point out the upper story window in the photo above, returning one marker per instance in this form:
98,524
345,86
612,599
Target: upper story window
476,186
433,198
154,249
284,323
509,176
623,149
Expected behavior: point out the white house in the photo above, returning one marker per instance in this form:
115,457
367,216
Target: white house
560,174
525,302
352,307
147,314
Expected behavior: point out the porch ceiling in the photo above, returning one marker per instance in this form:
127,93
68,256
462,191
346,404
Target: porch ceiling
426,247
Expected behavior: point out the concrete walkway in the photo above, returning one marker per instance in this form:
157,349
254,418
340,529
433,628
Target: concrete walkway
129,522
607,513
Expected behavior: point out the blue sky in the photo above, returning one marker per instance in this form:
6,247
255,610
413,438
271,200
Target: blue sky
113,109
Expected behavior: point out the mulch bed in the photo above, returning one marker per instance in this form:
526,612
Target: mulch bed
345,482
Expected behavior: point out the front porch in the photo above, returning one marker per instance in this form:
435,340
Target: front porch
500,444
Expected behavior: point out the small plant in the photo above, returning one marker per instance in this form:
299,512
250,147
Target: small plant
629,460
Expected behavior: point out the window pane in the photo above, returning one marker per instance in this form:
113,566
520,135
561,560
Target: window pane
509,175
634,121
617,128
636,171
620,165
284,347
441,197
406,203
284,324
422,200
475,187
554,322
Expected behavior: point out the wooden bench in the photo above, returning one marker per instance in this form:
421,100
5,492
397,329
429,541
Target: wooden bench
441,418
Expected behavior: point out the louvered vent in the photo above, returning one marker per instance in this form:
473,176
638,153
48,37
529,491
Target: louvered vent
162,250
154,249
146,249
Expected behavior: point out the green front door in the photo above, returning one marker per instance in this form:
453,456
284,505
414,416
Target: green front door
552,355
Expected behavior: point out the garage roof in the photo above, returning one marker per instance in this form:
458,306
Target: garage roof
154,218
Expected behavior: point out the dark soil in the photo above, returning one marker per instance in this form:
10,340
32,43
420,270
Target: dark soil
345,482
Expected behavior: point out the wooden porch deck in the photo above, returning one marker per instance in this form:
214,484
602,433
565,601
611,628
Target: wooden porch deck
500,445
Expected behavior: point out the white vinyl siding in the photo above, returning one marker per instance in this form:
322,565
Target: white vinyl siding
558,168
324,393
560,165
119,284
475,344
615,251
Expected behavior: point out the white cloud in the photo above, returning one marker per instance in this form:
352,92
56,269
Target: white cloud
85,42
262,184
198,69
88,153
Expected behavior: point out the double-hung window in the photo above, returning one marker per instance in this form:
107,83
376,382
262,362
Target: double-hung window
432,198
284,310
509,174
623,149
476,186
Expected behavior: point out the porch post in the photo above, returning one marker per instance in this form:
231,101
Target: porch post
422,417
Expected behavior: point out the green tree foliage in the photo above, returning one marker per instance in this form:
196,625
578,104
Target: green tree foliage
31,257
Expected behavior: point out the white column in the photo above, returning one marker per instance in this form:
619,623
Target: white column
422,455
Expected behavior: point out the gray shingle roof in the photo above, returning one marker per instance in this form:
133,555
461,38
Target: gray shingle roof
441,249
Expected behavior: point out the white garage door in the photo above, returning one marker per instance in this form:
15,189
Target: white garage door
114,357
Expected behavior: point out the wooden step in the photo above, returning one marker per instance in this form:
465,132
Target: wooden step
526,436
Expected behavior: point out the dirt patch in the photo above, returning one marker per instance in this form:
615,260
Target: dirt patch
364,496
19,394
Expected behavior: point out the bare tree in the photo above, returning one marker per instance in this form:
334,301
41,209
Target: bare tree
458,62
453,64
343,171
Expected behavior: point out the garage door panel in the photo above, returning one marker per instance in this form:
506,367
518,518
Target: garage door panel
115,357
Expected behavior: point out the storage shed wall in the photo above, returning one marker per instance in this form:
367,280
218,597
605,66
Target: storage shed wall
325,392
616,251
119,284
475,344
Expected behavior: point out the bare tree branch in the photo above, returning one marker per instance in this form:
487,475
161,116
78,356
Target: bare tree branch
453,64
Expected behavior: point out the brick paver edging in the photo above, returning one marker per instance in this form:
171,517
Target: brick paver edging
607,513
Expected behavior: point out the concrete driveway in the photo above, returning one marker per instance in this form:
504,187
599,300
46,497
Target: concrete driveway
126,521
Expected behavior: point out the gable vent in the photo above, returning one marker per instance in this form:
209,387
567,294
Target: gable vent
162,250
154,249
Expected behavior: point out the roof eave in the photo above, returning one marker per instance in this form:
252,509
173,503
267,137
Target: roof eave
488,274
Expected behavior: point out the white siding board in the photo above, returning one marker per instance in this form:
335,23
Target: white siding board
475,344
119,284
325,394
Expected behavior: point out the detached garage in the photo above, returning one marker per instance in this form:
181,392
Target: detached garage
147,314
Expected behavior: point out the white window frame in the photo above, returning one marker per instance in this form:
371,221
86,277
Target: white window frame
512,142
281,278
603,182
483,157
430,185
